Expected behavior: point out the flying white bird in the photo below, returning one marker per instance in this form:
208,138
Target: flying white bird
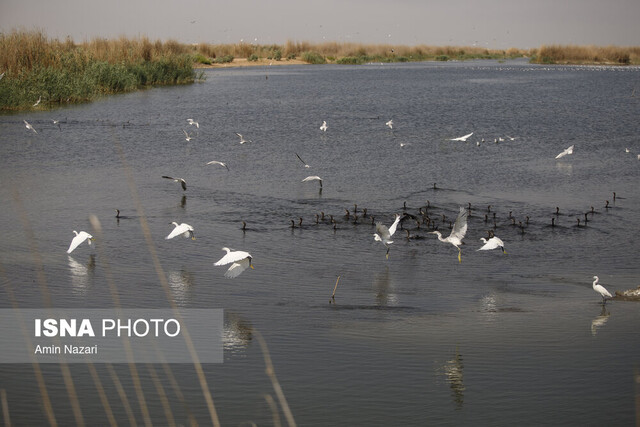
390,124
601,290
215,162
28,126
313,178
239,260
457,233
37,102
242,140
193,122
185,229
303,162
324,126
383,234
462,138
187,136
1,75
80,237
182,182
493,243
565,152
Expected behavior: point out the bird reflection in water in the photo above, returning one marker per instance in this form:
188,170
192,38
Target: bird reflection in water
181,283
454,371
81,274
237,334
599,320
383,290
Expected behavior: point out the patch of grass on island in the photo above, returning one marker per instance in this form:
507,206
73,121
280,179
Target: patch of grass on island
598,55
59,72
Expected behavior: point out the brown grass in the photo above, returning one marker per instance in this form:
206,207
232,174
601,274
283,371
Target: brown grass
573,54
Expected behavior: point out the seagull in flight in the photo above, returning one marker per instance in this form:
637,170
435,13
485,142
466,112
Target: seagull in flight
324,126
303,162
239,260
242,140
37,102
313,178
383,234
188,137
215,162
193,122
28,126
565,152
390,124
182,182
462,138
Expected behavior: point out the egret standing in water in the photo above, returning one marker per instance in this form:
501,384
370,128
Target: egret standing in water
77,241
185,229
383,234
241,261
601,290
457,232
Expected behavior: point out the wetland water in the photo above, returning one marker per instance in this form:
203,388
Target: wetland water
418,339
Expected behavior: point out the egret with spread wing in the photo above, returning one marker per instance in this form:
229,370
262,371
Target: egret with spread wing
185,229
239,260
77,241
457,233
565,152
383,234
462,138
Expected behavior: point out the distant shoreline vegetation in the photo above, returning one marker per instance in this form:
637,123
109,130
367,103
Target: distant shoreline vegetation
64,72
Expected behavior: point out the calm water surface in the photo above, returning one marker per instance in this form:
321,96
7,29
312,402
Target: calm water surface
417,339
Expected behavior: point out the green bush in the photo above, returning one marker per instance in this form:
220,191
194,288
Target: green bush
253,58
313,58
224,59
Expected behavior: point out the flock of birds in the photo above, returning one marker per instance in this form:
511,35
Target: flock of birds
241,260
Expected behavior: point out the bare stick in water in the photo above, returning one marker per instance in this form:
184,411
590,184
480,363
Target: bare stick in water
334,289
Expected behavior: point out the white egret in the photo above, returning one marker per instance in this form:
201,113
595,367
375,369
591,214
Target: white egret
2,75
493,243
185,229
242,140
77,241
182,182
193,122
383,234
37,102
28,126
303,162
390,124
313,178
565,152
462,138
215,162
601,290
457,232
324,126
239,260
187,136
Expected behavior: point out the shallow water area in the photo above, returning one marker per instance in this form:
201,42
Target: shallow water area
418,338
